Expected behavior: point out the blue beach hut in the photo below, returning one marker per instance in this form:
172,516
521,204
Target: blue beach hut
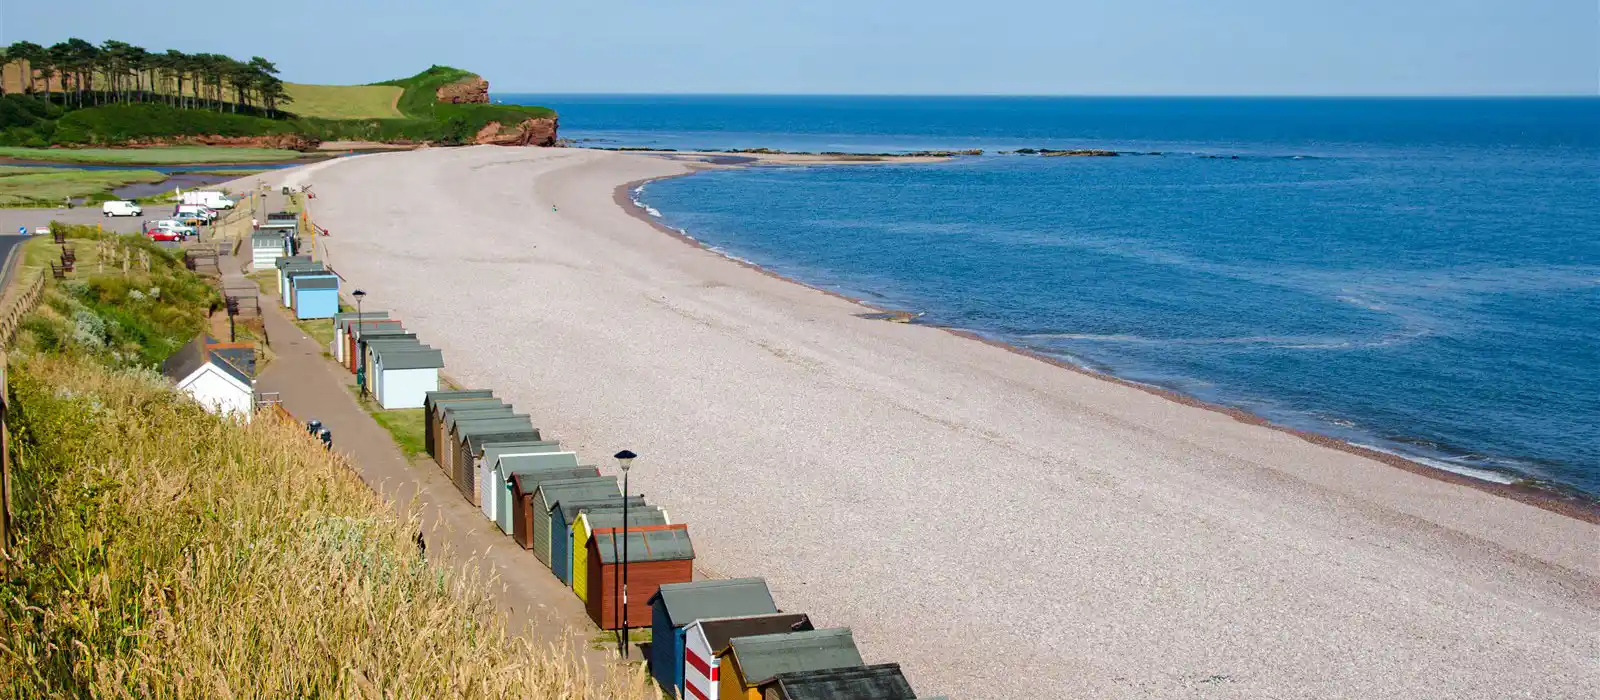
677,604
316,296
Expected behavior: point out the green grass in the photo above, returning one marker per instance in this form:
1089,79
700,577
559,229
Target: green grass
267,280
344,101
320,329
165,155
35,187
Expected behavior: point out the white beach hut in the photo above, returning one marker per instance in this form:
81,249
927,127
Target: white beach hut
211,380
492,455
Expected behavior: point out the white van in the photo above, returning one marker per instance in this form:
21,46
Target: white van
207,198
121,207
197,211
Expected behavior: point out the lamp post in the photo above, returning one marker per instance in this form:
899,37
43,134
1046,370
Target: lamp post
361,369
625,460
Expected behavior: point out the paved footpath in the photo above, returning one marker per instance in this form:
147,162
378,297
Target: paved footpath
313,386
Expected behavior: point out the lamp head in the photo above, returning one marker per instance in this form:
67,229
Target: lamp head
358,294
625,458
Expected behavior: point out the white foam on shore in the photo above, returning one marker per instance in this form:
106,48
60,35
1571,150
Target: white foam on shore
1441,465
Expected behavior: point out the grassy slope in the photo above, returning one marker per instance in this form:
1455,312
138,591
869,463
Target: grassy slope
22,187
344,101
164,155
420,100
165,552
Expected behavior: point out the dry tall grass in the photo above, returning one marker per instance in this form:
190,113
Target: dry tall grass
167,553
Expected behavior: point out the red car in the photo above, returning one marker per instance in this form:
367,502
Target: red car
159,235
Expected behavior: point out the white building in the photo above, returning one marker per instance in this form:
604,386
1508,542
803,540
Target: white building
211,379
403,376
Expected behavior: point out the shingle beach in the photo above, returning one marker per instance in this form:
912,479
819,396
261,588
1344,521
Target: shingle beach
1002,527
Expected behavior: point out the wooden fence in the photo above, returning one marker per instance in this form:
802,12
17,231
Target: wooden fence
17,307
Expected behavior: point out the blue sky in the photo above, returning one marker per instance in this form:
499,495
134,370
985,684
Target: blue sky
1061,47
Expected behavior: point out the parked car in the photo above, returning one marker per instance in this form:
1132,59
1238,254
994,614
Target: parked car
165,235
121,207
174,226
187,210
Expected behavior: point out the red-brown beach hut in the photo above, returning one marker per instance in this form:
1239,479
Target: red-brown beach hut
657,554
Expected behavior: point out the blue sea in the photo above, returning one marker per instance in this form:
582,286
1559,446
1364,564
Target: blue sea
1420,276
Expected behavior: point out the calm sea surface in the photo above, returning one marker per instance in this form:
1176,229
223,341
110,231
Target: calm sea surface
1421,276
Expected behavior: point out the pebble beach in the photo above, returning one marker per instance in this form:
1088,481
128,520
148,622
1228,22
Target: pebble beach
1001,526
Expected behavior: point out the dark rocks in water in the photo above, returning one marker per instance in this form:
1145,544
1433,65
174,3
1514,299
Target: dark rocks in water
1081,152
1026,151
945,154
1213,157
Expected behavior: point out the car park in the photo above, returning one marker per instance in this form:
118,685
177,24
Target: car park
121,207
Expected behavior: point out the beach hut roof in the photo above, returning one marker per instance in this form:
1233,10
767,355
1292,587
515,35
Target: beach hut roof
719,631
584,488
317,282
637,517
467,426
195,354
432,398
500,449
454,412
240,355
419,359
876,682
266,240
477,441
287,260
649,543
687,602
528,481
359,315
570,506
763,656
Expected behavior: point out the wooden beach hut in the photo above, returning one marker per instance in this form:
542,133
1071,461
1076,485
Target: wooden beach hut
748,662
550,493
523,485
561,519
675,605
703,638
471,434
583,528
355,329
472,461
341,326
494,489
875,682
451,412
433,415
315,296
656,554
406,377
286,275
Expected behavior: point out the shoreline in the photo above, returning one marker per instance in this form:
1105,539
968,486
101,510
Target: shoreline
1522,491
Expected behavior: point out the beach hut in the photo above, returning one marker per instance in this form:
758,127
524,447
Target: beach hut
315,296
370,341
550,493
211,380
352,336
579,527
406,377
265,249
286,274
472,461
468,439
287,260
676,605
656,554
703,638
450,412
492,478
341,326
370,331
430,412
561,518
747,662
875,682
583,529
524,481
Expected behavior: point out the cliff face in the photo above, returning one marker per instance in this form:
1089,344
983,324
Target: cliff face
293,142
465,91
531,132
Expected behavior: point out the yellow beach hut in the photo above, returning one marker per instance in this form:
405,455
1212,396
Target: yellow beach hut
583,528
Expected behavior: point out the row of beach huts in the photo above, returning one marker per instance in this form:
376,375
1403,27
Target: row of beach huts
710,639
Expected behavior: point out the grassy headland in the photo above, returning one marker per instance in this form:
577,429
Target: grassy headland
162,551
345,101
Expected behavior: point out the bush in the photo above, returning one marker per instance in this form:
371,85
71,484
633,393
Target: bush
112,124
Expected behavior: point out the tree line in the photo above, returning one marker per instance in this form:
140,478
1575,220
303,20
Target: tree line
118,72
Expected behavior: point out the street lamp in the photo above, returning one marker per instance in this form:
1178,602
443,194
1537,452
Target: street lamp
361,369
625,460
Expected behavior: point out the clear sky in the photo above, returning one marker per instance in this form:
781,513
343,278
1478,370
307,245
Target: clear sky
1070,47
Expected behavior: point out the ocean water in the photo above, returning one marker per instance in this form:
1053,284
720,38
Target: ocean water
1420,276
